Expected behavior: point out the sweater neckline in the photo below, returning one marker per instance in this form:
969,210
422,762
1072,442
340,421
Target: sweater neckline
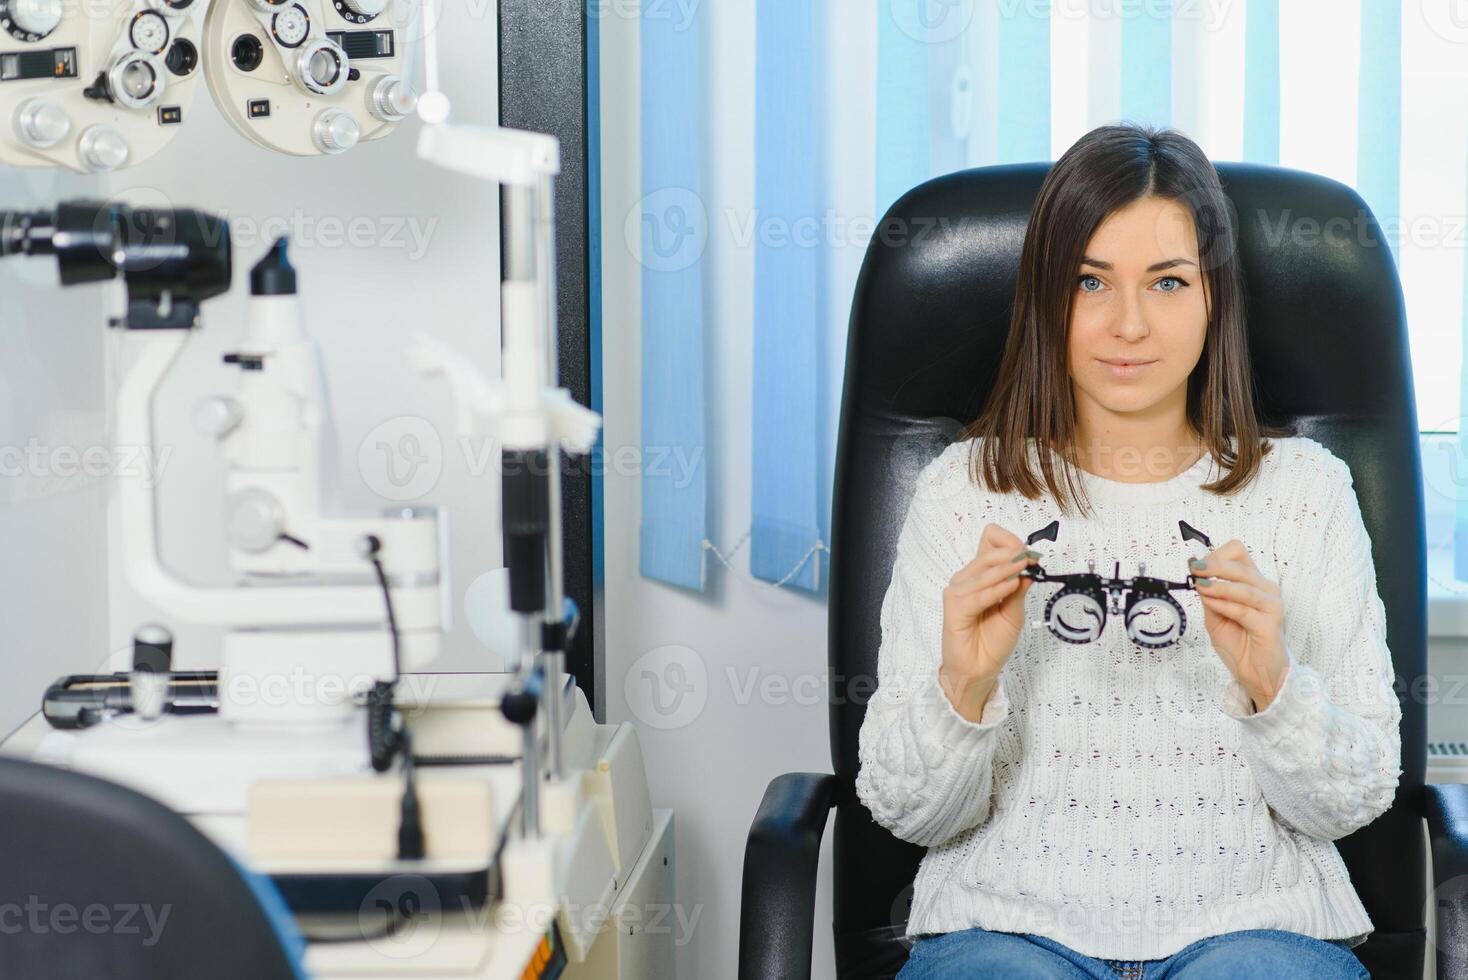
1103,490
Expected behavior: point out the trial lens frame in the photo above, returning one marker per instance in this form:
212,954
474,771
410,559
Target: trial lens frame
1077,613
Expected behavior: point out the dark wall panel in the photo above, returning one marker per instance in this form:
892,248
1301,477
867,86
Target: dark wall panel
548,63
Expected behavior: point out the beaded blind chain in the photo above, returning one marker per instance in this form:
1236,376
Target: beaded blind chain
726,560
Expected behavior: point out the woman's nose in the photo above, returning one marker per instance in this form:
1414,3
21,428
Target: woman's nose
1131,322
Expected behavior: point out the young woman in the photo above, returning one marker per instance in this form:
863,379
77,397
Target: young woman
1141,794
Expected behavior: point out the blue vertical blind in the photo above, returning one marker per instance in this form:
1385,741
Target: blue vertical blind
1261,81
1022,110
1146,62
787,540
671,234
1379,113
904,120
935,76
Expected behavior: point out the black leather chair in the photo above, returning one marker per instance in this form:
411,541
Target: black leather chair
99,881
1328,335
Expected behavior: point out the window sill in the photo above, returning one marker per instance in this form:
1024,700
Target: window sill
1447,598
1447,617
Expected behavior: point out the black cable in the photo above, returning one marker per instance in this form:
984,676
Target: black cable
392,620
384,736
465,760
387,731
410,829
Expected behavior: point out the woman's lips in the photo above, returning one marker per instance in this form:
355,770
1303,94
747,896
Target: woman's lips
1122,372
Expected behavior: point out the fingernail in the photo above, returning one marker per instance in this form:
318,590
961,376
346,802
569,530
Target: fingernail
1204,581
1197,564
1020,555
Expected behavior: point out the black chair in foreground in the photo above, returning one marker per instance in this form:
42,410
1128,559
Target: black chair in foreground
99,881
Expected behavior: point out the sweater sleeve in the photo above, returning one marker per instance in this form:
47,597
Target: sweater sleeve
1326,752
924,769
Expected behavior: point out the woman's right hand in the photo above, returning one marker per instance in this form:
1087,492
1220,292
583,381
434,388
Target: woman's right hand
983,618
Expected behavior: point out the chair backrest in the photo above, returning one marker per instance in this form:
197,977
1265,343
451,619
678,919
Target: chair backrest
1328,337
99,881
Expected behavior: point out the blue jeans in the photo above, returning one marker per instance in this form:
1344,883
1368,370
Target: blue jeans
1268,954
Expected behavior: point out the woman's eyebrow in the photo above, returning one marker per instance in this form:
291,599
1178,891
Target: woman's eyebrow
1154,267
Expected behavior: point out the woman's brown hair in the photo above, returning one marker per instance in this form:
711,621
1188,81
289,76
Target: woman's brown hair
1105,170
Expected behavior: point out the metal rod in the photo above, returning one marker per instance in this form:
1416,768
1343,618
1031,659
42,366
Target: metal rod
529,753
555,662
530,800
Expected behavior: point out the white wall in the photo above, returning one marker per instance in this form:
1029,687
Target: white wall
385,246
53,586
1446,693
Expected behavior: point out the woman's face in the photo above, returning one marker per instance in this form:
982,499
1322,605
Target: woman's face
1139,296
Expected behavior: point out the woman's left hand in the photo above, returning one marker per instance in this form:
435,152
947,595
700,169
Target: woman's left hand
1244,615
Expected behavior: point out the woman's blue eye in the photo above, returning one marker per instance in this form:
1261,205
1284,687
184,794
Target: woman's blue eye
1180,283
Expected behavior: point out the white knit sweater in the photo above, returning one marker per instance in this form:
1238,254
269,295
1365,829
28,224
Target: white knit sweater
1125,801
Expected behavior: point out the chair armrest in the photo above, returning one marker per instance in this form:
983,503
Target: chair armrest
1446,810
781,857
